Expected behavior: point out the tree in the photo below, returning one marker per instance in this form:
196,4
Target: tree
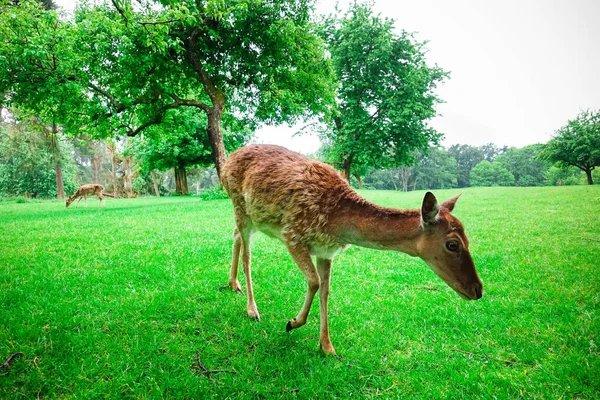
35,70
26,165
568,176
179,143
523,163
255,60
118,69
386,92
491,151
466,158
576,144
491,174
436,170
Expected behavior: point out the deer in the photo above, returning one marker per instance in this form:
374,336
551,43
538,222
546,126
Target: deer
312,209
92,189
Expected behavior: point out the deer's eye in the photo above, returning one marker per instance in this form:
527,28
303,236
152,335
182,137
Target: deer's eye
452,246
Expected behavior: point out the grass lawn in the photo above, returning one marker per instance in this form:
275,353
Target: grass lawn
121,302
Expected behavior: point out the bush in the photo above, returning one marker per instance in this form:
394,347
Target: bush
491,174
213,194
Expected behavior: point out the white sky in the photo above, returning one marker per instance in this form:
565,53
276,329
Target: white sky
519,69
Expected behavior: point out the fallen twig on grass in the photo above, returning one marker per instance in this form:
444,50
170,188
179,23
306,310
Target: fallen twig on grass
208,372
433,289
506,362
10,359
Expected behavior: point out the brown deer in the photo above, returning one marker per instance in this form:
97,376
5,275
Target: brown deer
309,207
92,189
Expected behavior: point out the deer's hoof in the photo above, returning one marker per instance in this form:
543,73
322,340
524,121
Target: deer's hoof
328,349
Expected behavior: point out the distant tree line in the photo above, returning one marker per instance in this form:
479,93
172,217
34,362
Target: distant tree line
127,167
463,165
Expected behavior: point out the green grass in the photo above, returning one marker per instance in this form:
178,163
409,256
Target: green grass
119,302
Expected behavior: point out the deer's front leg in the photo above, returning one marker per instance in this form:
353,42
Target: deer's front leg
301,256
324,269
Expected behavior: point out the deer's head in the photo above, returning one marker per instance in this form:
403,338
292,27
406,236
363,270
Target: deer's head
445,247
69,201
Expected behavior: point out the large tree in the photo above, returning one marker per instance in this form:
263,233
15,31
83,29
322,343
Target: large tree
577,144
36,70
257,60
119,67
386,91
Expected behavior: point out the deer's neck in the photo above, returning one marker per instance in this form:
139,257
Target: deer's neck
365,224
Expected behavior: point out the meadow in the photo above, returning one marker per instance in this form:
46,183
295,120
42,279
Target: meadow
128,301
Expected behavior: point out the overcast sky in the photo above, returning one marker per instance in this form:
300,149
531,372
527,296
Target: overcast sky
519,69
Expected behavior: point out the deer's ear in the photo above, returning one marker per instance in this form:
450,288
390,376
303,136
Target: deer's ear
429,209
450,203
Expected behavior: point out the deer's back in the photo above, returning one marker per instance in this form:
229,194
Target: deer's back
278,190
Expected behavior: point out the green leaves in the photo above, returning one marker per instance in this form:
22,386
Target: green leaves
36,71
577,143
385,94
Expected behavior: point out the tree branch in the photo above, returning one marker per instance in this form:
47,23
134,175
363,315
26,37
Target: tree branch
160,115
216,96
506,362
120,10
207,372
10,359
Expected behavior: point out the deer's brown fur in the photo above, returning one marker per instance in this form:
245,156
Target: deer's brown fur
92,189
314,212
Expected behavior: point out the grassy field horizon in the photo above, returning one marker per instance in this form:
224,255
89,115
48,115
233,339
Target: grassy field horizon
124,301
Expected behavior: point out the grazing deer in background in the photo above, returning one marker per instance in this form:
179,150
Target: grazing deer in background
92,189
309,207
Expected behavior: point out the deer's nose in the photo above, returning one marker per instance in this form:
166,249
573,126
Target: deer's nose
478,289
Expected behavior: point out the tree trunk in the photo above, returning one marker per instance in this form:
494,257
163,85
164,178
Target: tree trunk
588,174
128,176
405,174
393,180
60,186
95,167
181,186
360,185
217,97
347,166
114,174
215,135
155,183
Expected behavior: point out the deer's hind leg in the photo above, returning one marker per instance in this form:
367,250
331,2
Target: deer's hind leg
245,229
233,282
101,198
324,269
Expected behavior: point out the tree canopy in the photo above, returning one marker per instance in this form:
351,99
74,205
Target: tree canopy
577,144
486,173
385,94
180,142
118,68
